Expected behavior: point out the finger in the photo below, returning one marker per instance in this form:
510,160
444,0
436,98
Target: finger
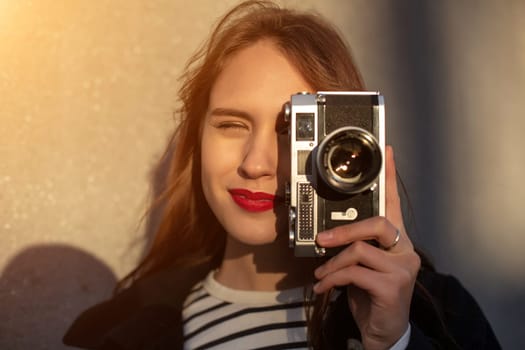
360,253
376,228
359,276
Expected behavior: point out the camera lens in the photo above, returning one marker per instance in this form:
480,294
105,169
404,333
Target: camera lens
349,160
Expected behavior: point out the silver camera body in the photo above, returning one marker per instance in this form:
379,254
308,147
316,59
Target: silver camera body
337,164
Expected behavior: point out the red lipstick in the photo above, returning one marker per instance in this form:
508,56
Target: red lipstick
252,201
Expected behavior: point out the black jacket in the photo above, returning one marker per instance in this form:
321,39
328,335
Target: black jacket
148,316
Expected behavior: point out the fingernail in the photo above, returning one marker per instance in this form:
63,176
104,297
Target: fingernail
325,236
316,287
318,272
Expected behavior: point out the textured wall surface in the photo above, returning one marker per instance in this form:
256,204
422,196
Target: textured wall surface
87,93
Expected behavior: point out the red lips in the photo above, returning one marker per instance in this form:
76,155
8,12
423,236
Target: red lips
252,201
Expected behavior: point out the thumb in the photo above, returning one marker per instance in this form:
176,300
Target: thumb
392,201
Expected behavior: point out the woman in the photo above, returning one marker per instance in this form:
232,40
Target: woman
219,272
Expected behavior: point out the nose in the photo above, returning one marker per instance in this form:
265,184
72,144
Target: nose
260,156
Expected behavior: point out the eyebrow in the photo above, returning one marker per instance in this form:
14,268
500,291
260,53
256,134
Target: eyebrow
230,112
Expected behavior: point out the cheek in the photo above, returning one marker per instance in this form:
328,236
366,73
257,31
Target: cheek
219,159
208,164
207,158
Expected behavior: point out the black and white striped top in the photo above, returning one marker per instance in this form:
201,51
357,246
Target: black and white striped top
217,317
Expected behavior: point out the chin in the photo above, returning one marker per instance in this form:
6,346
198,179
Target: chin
255,238
259,235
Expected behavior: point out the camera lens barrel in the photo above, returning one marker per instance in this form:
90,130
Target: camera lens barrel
349,160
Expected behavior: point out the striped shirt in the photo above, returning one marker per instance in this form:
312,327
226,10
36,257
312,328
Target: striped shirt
217,317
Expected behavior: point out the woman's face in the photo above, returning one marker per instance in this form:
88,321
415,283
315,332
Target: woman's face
245,147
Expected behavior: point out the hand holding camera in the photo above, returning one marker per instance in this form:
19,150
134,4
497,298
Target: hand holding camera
379,280
343,196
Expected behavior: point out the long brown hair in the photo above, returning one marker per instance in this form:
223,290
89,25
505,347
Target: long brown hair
187,233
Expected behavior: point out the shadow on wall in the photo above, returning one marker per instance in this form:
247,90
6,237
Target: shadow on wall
43,289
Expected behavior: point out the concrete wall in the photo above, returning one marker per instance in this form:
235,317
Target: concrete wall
87,90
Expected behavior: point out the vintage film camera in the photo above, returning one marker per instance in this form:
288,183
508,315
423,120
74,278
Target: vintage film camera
337,164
